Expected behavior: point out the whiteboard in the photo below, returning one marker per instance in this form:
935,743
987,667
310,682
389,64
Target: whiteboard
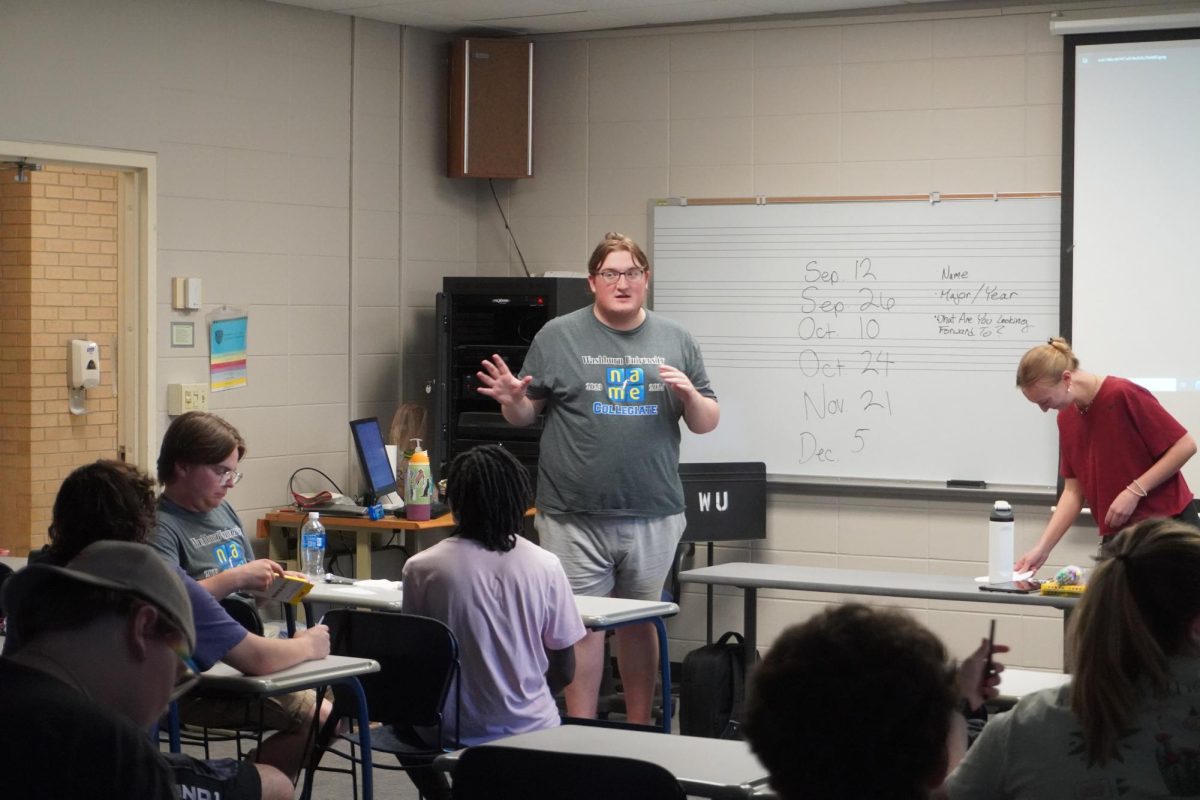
868,340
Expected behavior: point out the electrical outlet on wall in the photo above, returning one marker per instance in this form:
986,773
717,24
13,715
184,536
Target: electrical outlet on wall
182,397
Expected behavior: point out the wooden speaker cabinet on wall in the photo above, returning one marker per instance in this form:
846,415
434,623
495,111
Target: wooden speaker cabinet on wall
491,109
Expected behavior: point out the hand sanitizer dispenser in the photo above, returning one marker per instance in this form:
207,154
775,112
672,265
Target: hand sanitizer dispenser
83,372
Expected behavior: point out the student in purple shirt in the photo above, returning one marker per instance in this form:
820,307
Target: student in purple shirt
112,500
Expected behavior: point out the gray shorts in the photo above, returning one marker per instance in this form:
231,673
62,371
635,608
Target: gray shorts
620,556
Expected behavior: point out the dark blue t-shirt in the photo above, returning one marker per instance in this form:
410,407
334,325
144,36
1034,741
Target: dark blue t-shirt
216,632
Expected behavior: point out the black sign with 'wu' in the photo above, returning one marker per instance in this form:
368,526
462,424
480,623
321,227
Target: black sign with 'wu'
725,501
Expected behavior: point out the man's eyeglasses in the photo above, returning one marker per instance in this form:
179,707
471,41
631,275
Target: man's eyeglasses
225,474
186,674
633,275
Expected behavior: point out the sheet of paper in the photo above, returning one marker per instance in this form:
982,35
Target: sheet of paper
1016,576
380,584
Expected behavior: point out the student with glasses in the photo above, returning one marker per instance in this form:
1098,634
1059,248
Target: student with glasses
104,643
614,380
197,527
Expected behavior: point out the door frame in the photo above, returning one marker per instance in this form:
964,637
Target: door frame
137,256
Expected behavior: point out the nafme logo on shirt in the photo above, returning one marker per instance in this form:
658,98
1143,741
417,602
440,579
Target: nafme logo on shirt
625,390
625,384
229,555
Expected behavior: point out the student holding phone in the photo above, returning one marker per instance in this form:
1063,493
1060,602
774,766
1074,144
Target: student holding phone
1126,726
860,702
1121,450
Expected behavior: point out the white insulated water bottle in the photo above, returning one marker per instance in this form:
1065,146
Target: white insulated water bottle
1000,543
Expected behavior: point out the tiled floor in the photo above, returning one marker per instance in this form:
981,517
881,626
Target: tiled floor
389,784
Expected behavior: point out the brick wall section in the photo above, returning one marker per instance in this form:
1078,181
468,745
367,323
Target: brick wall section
15,313
71,279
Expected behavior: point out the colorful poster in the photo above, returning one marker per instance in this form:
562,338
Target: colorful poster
227,354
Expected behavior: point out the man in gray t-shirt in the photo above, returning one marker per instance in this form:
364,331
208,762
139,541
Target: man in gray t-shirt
197,527
614,380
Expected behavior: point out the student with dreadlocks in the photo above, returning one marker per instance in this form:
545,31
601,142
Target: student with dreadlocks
506,599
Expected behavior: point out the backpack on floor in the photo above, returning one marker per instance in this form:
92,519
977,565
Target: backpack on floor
712,689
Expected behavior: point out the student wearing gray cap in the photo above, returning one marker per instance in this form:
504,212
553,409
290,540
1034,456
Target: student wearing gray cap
105,644
114,501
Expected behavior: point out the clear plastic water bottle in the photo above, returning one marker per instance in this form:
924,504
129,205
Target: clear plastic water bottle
1000,543
312,546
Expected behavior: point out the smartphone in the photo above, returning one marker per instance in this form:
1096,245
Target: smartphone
1013,587
988,666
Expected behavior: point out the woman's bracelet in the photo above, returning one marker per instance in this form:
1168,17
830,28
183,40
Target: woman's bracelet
1138,490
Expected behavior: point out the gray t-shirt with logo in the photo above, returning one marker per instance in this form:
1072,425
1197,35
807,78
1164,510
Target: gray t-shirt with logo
1037,751
611,439
202,542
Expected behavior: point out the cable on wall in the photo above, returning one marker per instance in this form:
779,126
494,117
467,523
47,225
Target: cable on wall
511,235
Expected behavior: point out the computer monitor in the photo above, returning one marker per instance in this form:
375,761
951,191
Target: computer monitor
373,458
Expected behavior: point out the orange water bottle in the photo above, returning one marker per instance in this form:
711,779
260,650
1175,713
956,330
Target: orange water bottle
418,489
